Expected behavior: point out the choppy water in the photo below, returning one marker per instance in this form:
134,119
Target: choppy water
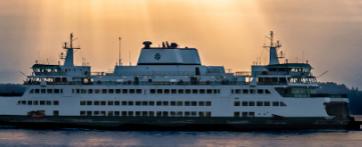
21,137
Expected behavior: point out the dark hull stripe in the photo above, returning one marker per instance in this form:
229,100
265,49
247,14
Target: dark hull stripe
169,123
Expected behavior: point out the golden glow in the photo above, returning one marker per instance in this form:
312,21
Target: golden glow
226,32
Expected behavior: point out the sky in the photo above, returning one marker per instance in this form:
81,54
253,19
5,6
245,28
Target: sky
231,33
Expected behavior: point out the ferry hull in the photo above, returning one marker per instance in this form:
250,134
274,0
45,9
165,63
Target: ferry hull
161,123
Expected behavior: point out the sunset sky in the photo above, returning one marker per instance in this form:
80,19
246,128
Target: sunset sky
328,33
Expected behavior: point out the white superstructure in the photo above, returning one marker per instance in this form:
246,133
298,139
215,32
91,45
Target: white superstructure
170,81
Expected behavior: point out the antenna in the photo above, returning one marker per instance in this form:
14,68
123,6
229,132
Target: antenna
129,57
119,51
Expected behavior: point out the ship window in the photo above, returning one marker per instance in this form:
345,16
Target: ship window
266,103
118,91
97,91
130,113
173,103
42,102
179,103
77,90
42,91
125,91
145,103
96,103
82,113
195,91
132,91
245,91
110,113
188,91
30,102
252,91
151,113
103,102
124,103
50,91
159,103
48,102
116,103
83,91
110,103
237,91
251,114
96,112
138,103
208,103
19,102
259,103
110,91
55,113
56,103
187,103
152,91
193,113
165,103
31,91
56,91
35,102
251,103
244,103
167,91
201,103
179,113
90,91
165,113
202,91
124,113
159,91
103,113
187,113
267,91
237,103
193,103
104,91
89,102
139,91
181,91
173,91
172,113
244,114
151,103
209,91
158,113
116,113
283,104
138,113
275,103
260,91
144,113
130,103
89,113
82,102
236,114
37,90
216,91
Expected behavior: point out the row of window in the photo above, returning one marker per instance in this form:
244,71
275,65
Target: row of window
147,113
36,102
107,91
146,103
46,91
184,91
140,91
260,103
250,91
244,114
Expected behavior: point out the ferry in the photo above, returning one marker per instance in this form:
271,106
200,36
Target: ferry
170,88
